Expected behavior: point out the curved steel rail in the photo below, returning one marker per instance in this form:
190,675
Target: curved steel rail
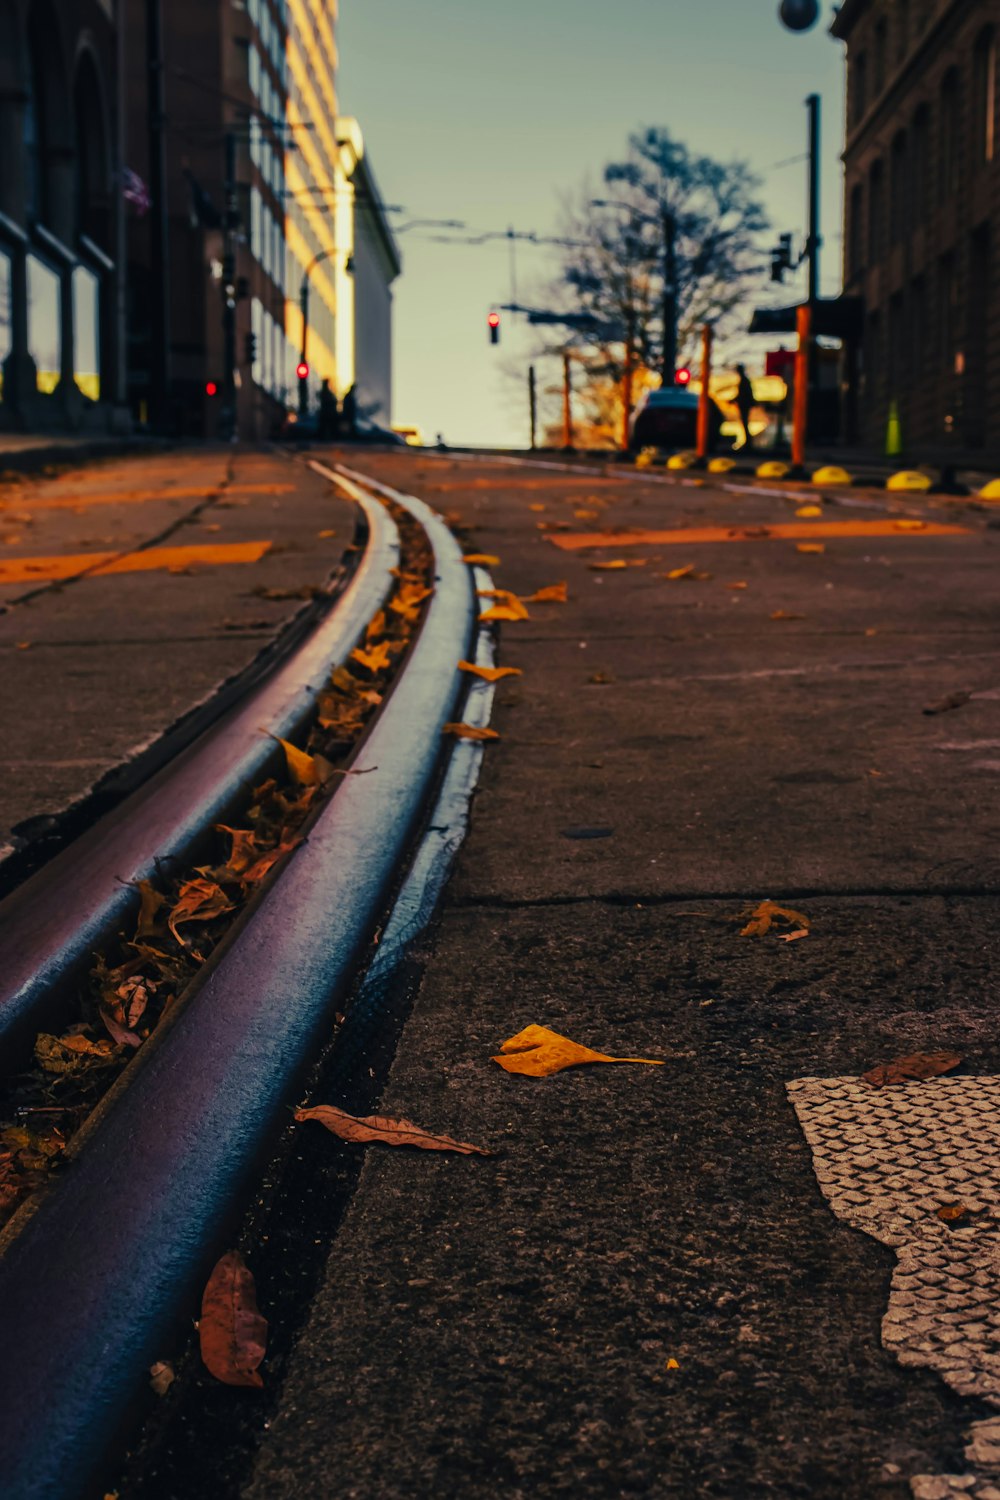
50,926
113,1258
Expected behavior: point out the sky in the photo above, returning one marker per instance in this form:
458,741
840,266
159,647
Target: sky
496,112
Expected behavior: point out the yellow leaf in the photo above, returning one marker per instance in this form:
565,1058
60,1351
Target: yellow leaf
376,660
553,593
810,547
740,585
375,626
538,1052
482,559
151,901
244,849
489,674
302,768
587,515
672,1364
324,534
469,732
793,937
618,563
507,607
809,510
63,1054
905,524
763,917
343,680
22,645
536,506
383,1131
198,901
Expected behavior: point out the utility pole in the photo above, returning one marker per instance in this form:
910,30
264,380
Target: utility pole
304,355
159,223
532,406
230,423
668,362
814,241
627,374
567,408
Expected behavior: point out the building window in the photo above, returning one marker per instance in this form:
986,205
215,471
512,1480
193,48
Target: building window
44,323
856,232
876,212
898,195
881,44
920,163
86,332
984,98
949,134
860,89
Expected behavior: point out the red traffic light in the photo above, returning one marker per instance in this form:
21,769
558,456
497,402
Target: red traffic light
683,377
494,320
211,389
302,370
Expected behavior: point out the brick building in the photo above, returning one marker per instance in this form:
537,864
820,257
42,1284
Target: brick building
922,219
61,215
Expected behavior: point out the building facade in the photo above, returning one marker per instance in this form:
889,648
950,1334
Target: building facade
61,216
365,348
922,219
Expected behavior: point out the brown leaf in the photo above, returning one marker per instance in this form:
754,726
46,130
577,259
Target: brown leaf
198,901
953,700
67,1054
784,614
122,1011
481,559
952,1213
740,585
266,862
383,1131
469,732
232,1333
601,679
538,1052
163,1377
489,674
763,917
151,901
243,851
918,1066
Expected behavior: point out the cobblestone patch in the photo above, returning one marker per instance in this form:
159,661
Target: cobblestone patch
887,1160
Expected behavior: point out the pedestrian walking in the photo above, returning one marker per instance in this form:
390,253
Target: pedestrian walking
744,404
349,413
329,414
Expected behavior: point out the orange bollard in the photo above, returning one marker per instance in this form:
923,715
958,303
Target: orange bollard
800,410
704,431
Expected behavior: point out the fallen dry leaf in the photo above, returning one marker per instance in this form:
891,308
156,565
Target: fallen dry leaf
481,559
810,547
552,593
952,1213
469,732
672,1364
198,901
305,770
504,612
383,1131
601,679
64,1054
953,700
163,1377
920,1065
22,645
906,524
764,916
617,563
232,1332
587,515
739,585
150,902
376,659
786,614
688,572
243,851
809,510
325,535
266,862
538,1052
536,506
489,674
122,1011
793,937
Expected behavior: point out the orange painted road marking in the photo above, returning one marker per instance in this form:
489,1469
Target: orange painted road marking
100,564
132,497
576,541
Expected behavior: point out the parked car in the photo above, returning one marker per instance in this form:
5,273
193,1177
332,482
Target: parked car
668,418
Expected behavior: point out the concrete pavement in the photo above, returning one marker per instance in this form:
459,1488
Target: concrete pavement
644,1290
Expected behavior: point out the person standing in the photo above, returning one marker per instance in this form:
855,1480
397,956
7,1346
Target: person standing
349,412
329,416
744,404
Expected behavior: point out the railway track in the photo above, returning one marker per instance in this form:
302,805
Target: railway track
99,1270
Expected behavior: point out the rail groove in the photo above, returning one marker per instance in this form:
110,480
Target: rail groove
113,1257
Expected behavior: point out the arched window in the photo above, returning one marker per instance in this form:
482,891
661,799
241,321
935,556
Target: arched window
984,68
948,134
876,212
920,163
856,231
859,101
898,190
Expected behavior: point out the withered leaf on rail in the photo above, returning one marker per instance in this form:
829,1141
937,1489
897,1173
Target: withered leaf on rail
150,902
617,563
262,866
538,1052
920,1065
376,659
122,1010
489,674
469,732
232,1333
767,914
481,559
305,770
67,1054
243,852
198,901
383,1131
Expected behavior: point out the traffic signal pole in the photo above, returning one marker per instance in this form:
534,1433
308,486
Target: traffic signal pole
532,406
230,422
567,404
668,362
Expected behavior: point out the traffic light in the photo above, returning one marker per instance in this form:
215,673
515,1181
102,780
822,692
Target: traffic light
302,370
494,321
683,376
781,257
799,15
211,388
251,349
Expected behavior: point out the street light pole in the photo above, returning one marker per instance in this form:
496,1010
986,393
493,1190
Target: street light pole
159,223
230,421
668,362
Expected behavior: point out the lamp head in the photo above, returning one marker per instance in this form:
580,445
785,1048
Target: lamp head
799,15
